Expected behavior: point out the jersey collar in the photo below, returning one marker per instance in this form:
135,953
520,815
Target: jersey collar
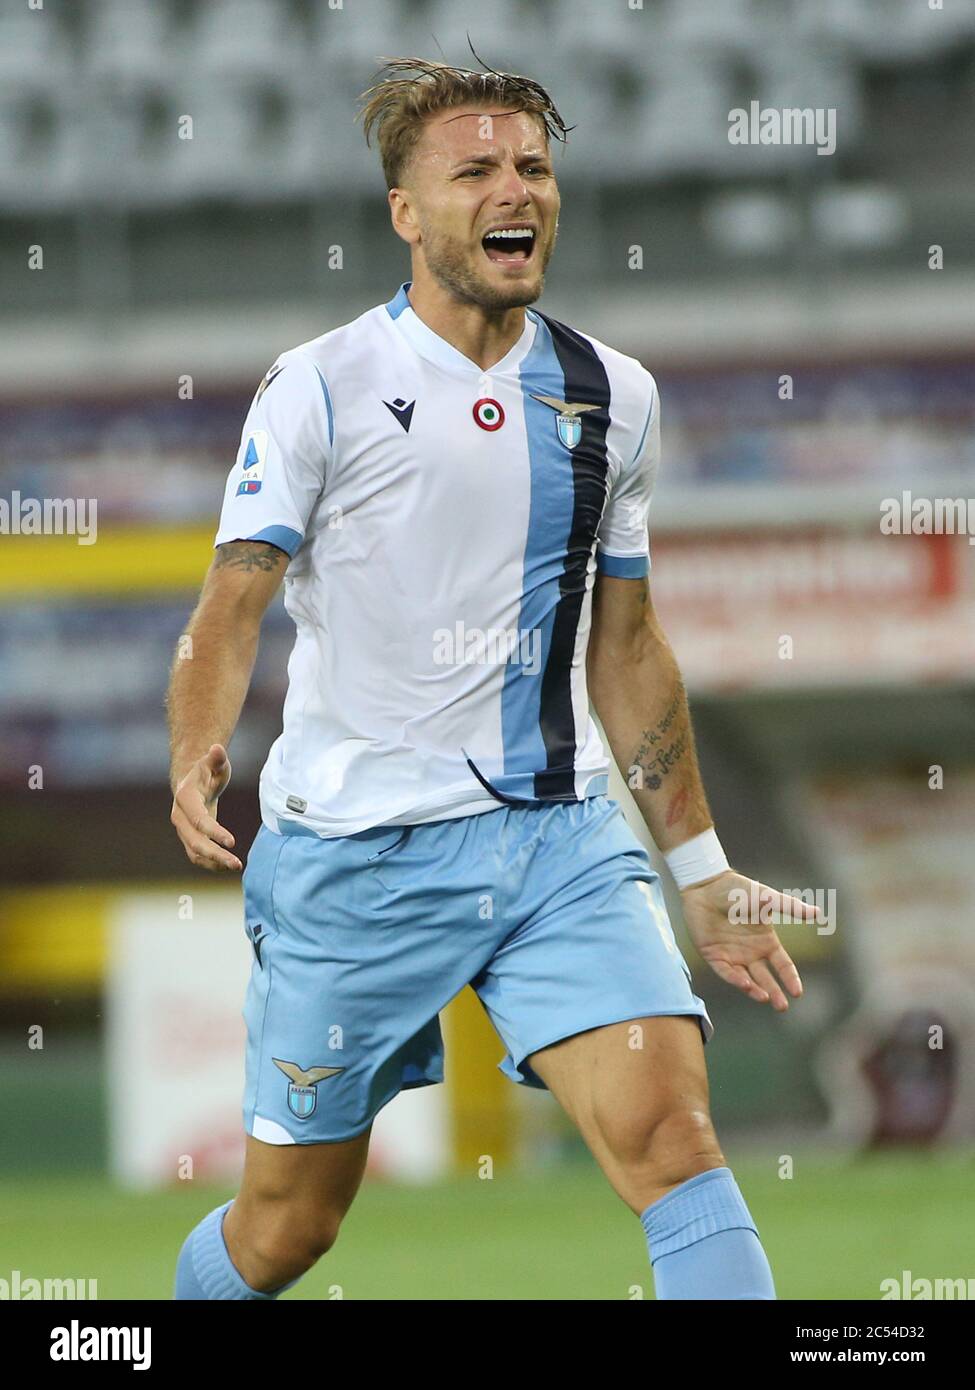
436,349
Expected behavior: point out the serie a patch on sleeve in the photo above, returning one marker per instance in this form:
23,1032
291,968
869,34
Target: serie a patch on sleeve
255,453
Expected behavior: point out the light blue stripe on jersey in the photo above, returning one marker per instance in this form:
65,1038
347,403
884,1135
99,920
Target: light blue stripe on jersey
399,302
328,407
622,566
551,507
282,536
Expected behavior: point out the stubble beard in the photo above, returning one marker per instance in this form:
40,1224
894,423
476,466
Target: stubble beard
450,265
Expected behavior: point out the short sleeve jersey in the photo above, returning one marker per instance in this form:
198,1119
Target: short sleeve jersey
445,525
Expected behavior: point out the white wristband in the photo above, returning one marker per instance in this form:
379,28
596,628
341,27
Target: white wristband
697,859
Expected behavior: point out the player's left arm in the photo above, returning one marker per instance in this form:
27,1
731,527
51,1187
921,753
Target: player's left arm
636,687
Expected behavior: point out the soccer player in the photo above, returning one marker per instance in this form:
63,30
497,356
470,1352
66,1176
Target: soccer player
455,490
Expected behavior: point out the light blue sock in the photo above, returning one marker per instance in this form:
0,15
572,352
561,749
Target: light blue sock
205,1270
703,1242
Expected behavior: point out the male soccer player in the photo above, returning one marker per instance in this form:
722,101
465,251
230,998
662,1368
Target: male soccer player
455,490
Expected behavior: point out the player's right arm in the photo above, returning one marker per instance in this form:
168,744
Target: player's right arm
268,500
208,684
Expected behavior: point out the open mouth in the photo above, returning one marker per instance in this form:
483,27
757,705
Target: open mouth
509,245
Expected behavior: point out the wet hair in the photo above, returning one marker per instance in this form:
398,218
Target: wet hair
409,90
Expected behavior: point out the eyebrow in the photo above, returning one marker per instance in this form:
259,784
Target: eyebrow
534,157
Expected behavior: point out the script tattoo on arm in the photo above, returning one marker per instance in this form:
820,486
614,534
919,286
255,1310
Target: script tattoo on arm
661,747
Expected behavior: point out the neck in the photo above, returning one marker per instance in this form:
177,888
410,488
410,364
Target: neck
483,335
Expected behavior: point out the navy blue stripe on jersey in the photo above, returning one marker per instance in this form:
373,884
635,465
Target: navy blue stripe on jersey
585,381
549,525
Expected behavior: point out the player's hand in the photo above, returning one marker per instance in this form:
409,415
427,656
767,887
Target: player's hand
728,920
205,840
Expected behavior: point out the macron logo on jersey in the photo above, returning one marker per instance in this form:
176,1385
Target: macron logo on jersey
403,411
253,465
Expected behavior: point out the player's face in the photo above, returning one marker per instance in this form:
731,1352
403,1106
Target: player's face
477,173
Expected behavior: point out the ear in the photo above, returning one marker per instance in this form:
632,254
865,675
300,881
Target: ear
402,215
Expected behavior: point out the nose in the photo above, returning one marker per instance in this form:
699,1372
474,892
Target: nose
511,189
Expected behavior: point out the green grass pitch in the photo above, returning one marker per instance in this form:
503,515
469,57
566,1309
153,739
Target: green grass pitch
835,1230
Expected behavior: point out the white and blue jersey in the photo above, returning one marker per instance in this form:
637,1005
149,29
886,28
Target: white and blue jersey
445,526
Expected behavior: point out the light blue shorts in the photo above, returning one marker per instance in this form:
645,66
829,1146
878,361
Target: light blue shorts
553,914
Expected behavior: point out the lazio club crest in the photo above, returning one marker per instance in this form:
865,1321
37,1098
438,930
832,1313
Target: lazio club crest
303,1090
567,421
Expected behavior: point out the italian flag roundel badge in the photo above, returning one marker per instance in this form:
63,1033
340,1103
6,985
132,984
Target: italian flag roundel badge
488,414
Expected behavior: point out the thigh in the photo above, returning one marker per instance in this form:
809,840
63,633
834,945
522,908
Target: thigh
292,1199
310,1177
641,1069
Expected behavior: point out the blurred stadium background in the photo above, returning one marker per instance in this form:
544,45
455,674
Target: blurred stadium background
830,666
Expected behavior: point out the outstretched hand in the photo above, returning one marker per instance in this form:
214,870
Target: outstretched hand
728,920
194,813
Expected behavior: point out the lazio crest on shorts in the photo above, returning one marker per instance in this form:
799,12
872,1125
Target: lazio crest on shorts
303,1090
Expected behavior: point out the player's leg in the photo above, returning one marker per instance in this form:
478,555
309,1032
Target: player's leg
291,1203
311,1090
358,944
638,1093
595,963
284,1218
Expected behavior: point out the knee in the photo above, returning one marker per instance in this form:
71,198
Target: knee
301,1241
275,1243
656,1149
682,1143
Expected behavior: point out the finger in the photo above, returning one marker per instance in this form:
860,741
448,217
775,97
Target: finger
217,764
198,819
200,849
213,830
216,757
764,978
798,911
786,970
206,855
738,976
792,909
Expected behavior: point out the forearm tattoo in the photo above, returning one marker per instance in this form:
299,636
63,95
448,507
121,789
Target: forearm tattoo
659,752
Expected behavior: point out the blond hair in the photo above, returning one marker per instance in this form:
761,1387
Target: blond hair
412,89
